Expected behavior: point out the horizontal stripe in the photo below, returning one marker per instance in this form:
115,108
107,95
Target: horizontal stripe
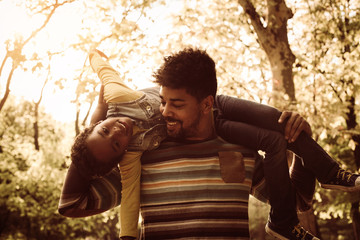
185,199
103,193
183,194
167,150
195,207
201,223
239,231
238,212
180,162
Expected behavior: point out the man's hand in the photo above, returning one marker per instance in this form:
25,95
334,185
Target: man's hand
101,96
101,109
294,126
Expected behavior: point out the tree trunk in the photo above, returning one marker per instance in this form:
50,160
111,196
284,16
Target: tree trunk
87,114
77,129
351,124
7,90
355,216
274,40
36,127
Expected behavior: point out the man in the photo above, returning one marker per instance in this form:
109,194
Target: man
195,185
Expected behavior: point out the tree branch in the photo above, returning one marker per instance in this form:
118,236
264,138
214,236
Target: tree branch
7,90
4,61
249,9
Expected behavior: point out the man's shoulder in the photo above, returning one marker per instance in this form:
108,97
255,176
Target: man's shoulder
235,147
151,90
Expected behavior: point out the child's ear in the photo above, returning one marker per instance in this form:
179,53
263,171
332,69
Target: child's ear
207,104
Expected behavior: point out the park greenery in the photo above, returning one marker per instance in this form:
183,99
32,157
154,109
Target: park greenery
297,55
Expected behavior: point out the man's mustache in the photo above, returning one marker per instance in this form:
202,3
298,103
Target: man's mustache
170,119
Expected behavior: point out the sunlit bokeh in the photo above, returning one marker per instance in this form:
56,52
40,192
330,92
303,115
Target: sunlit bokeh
62,30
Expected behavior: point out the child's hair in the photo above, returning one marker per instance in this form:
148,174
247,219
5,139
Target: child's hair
85,161
191,69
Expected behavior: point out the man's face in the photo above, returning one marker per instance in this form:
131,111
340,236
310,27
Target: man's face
182,113
110,138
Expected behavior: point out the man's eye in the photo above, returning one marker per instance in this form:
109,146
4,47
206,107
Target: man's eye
162,103
105,130
178,106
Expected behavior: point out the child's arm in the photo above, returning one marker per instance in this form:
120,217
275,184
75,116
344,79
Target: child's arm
130,169
82,197
115,88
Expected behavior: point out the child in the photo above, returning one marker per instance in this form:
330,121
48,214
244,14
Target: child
149,130
107,140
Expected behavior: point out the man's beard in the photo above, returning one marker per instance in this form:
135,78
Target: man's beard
183,133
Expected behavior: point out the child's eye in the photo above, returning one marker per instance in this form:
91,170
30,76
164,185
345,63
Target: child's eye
105,130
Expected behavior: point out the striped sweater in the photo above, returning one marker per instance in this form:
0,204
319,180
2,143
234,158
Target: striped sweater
189,192
81,197
196,190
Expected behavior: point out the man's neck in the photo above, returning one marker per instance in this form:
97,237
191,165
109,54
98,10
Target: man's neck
205,130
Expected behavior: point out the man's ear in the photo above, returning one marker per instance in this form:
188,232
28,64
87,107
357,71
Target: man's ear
207,104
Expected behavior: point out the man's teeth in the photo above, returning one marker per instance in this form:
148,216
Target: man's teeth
171,123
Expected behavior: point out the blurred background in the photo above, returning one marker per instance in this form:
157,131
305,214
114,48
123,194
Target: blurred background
297,55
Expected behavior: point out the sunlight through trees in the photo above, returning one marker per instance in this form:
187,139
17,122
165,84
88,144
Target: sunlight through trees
299,55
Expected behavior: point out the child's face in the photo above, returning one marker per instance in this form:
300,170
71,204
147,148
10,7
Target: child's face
110,138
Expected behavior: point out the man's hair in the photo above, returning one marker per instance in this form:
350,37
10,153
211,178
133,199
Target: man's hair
85,161
191,69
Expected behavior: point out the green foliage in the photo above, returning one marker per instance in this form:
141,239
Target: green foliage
332,208
31,181
326,37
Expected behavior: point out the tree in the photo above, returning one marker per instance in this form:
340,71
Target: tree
330,65
30,180
111,33
15,47
272,34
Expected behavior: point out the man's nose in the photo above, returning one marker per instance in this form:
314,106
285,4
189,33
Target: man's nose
165,111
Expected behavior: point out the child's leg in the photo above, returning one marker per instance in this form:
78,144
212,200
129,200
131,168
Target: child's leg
304,182
275,166
314,157
115,89
240,110
130,168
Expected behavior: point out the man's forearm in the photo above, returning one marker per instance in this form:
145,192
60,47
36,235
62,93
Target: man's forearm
99,113
101,109
81,197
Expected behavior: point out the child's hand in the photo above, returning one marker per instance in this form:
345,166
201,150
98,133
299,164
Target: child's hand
93,51
295,125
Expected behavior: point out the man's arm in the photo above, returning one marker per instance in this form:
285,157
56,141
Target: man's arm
101,109
82,197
